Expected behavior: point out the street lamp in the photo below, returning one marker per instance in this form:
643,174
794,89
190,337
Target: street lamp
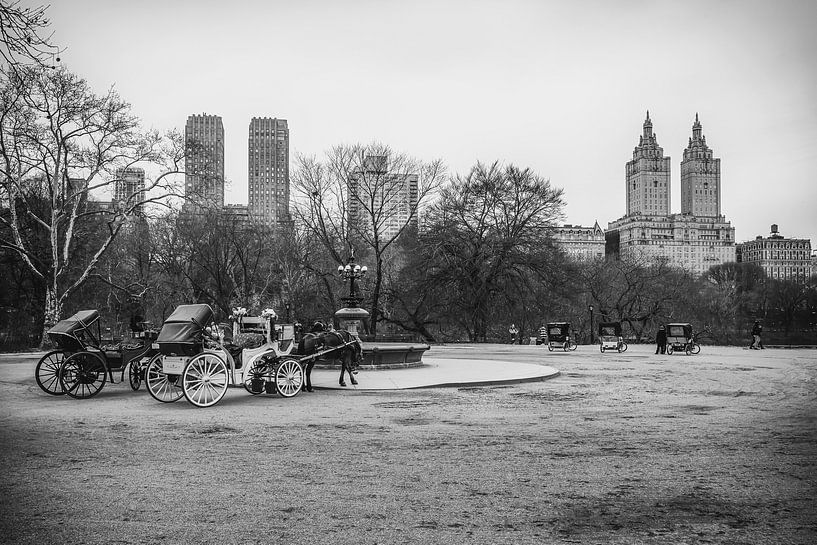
591,323
352,272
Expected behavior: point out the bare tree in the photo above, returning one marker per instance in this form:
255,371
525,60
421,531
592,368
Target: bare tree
63,145
366,196
487,240
25,35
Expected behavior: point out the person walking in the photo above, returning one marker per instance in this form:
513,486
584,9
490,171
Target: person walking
661,341
757,344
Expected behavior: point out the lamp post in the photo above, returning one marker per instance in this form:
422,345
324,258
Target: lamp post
286,306
351,315
352,272
591,323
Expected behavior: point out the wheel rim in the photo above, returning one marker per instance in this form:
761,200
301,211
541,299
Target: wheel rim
162,387
205,380
83,375
289,378
135,375
47,373
256,370
696,348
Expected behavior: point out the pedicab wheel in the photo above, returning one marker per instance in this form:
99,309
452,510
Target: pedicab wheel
572,346
47,373
622,347
550,347
135,375
162,387
83,375
695,348
566,346
289,378
669,349
205,380
601,348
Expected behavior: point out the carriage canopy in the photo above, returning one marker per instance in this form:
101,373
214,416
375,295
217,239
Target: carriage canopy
72,333
610,329
679,330
181,333
558,331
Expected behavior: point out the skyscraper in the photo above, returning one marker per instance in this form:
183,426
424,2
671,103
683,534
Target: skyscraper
700,177
204,162
697,238
129,187
268,183
381,200
648,176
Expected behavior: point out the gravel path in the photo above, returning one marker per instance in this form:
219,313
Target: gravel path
620,448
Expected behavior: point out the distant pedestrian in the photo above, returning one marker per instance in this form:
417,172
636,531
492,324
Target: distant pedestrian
757,344
661,341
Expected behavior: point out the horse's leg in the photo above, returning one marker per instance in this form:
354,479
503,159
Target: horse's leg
342,371
348,360
307,385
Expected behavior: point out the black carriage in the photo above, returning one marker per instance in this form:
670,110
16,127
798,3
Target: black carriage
681,339
610,337
558,336
81,365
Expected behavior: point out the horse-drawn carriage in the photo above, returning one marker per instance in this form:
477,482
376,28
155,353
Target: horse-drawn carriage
81,365
558,336
610,337
681,339
195,360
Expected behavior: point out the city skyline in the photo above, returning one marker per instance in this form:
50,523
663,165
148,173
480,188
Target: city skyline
562,88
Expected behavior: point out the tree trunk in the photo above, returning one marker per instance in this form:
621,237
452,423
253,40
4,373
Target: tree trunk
378,281
52,315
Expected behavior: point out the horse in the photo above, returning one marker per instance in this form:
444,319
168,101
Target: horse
350,355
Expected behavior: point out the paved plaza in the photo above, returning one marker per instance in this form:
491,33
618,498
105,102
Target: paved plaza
586,447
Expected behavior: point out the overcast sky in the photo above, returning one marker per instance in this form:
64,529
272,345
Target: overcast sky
561,87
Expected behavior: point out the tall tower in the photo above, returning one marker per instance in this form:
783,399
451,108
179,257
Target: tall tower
268,184
129,186
700,177
648,177
204,161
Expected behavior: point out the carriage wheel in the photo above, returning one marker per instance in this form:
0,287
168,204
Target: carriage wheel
47,373
669,350
83,375
289,378
205,380
256,370
601,348
162,387
566,346
550,347
136,374
694,348
572,346
622,347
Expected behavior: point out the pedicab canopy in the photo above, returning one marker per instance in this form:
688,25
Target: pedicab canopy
558,331
679,330
69,334
610,329
181,332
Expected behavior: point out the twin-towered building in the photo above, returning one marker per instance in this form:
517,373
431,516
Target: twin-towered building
697,238
268,168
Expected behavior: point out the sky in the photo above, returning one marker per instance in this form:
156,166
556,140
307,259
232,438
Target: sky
561,87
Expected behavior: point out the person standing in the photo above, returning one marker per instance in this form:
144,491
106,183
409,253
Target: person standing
757,344
661,341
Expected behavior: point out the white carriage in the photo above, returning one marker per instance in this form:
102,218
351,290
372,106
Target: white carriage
196,362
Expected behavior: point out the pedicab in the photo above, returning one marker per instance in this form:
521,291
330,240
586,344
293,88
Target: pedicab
610,337
196,361
81,365
558,336
681,339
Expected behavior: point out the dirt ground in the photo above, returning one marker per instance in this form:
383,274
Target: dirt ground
718,448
